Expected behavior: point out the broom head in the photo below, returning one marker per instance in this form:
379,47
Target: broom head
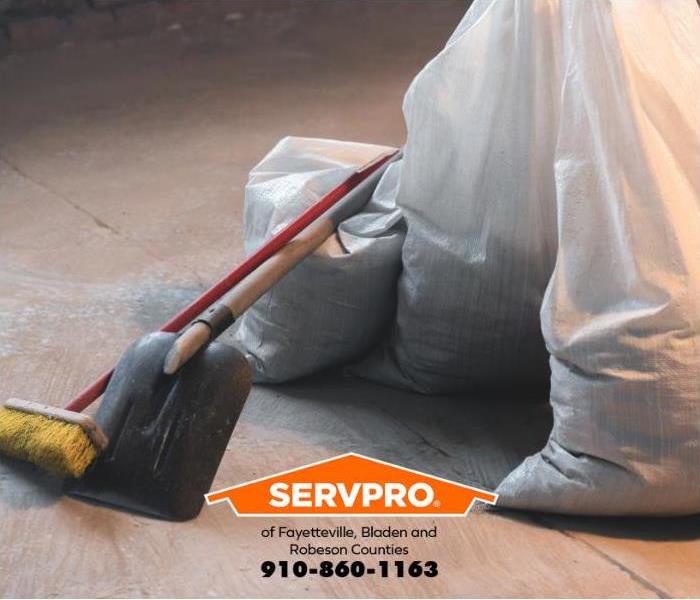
61,441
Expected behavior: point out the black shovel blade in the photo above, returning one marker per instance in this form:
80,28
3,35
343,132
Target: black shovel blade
167,433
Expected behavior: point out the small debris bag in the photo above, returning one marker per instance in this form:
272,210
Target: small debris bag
335,305
550,197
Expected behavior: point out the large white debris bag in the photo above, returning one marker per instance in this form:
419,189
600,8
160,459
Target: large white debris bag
337,303
621,316
478,194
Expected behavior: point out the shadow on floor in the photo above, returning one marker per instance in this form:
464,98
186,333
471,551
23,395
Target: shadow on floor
476,440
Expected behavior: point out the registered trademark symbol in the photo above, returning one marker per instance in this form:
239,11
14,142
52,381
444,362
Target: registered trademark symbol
437,503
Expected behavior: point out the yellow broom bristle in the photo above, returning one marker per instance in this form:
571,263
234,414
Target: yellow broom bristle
57,446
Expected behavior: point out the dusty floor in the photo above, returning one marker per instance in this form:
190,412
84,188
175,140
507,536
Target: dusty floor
122,168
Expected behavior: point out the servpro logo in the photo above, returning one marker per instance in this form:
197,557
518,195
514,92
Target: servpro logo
351,485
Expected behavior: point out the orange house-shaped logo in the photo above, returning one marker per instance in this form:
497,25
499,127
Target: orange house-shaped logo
351,485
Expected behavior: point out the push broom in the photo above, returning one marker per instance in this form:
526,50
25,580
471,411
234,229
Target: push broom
67,441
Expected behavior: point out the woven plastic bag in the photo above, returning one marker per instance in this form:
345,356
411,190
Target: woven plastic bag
554,148
336,304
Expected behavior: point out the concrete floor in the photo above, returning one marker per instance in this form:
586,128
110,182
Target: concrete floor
122,167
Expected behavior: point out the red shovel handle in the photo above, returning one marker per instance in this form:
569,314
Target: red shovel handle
196,307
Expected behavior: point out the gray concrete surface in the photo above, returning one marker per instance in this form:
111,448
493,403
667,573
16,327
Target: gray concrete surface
122,166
